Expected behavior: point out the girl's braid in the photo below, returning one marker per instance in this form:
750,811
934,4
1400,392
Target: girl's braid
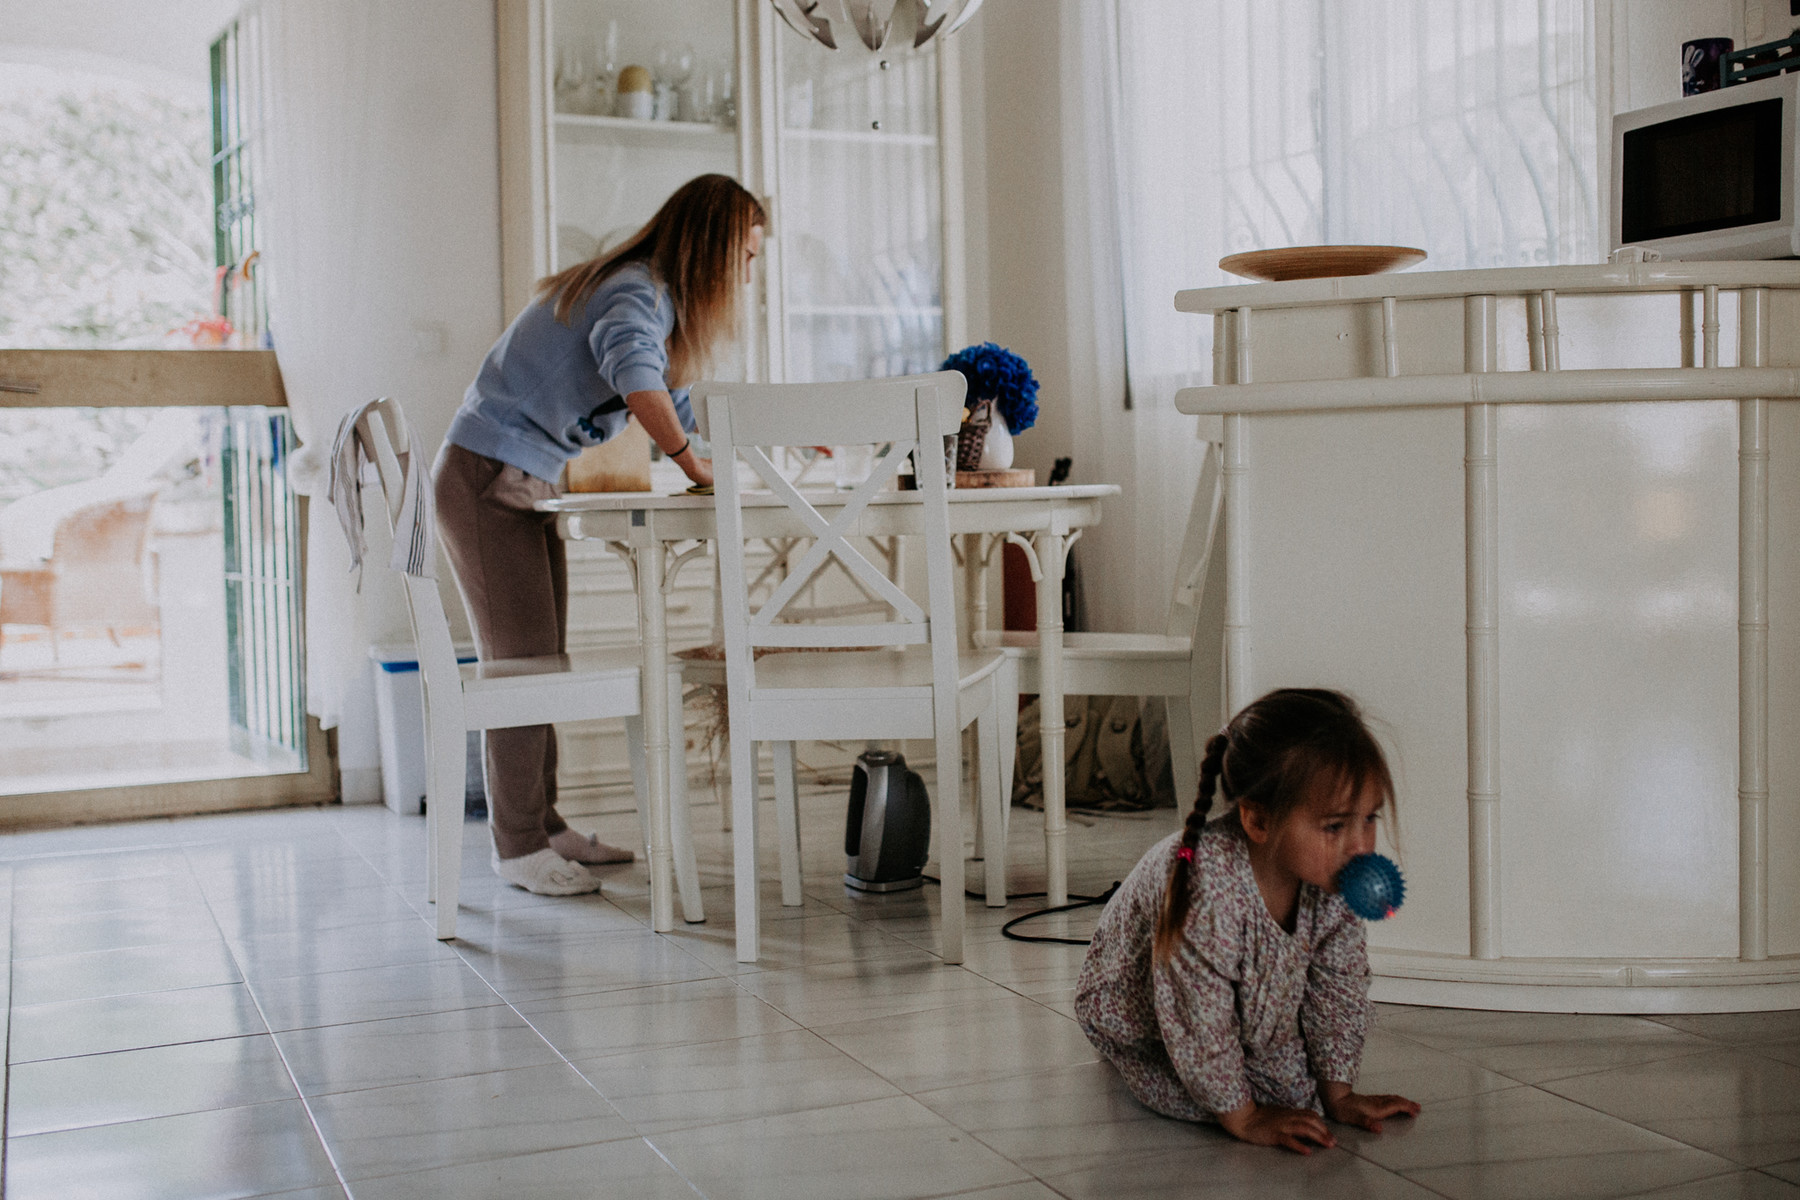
1173,917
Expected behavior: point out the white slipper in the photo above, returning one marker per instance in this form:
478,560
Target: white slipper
545,873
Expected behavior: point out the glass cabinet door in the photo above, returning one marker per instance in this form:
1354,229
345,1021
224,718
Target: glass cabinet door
643,98
860,226
848,145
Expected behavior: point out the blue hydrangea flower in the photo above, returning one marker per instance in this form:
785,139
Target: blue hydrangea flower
996,373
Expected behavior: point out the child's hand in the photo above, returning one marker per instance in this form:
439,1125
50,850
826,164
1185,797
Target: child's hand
1353,1108
1268,1125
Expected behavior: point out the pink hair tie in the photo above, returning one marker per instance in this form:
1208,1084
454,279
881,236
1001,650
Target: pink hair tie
1186,854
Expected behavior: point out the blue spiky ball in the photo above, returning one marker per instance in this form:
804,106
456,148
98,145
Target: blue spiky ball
1371,885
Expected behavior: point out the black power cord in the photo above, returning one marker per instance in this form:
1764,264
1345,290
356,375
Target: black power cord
1074,903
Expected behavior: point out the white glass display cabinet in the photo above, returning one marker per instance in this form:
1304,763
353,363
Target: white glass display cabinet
863,273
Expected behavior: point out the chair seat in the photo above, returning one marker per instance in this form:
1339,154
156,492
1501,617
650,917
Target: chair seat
1141,647
498,674
862,693
1104,664
839,670
512,692
585,685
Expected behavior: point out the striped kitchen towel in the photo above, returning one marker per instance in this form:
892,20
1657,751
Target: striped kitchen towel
415,528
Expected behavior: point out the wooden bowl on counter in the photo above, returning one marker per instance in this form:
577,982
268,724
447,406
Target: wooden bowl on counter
1319,262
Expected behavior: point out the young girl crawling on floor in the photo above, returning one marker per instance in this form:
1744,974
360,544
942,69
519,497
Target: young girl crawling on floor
1227,980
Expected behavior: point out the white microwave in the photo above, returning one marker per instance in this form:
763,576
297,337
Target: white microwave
1710,176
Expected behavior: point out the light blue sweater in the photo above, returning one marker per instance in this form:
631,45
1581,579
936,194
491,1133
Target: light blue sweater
547,391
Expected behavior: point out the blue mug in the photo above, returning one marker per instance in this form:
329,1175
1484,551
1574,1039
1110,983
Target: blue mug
1702,61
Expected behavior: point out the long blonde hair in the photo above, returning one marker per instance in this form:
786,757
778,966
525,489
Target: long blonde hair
693,246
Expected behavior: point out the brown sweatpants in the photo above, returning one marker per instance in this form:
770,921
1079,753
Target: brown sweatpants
513,574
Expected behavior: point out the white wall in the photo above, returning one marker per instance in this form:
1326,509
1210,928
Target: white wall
1645,45
1645,40
384,246
1016,263
1768,21
384,205
1049,293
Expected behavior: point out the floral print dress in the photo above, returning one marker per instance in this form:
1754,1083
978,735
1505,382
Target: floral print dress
1243,1009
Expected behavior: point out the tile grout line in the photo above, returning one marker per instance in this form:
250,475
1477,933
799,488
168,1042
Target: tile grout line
977,1138
238,964
457,949
6,1037
738,982
565,1061
876,926
734,980
1735,1166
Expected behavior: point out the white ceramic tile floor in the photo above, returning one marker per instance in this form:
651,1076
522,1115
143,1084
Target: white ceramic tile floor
253,1005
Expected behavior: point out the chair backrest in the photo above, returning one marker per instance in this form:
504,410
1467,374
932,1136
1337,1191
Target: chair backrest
904,415
383,434
111,532
1198,547
100,568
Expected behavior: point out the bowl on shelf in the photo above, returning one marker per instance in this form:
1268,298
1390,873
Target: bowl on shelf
1319,262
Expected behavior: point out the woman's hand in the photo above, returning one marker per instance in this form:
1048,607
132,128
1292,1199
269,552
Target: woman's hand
697,469
655,411
1299,1129
1368,1112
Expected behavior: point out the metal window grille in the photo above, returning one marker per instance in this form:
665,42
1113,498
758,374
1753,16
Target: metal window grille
266,664
237,122
265,653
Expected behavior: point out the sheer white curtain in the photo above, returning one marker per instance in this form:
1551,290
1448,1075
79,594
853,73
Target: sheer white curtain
1464,127
319,61
382,224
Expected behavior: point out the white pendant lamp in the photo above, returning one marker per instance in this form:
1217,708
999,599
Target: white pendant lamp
875,21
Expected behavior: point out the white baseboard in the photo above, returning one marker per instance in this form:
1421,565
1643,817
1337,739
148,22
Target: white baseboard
359,785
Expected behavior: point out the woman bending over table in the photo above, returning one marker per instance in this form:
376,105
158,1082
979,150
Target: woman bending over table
620,335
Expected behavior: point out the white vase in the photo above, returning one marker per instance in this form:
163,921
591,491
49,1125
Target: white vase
997,448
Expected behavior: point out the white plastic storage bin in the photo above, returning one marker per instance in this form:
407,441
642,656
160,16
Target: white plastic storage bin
400,722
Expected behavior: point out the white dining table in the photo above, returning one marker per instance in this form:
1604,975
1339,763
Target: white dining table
657,534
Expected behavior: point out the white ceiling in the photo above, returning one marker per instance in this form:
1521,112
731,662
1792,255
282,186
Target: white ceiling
149,40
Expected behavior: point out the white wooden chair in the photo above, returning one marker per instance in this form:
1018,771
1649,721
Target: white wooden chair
1183,664
921,686
502,693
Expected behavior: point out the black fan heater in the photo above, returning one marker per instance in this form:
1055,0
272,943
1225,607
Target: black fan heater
887,837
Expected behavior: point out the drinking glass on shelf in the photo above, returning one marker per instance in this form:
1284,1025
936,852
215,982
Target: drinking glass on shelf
725,112
571,77
681,64
700,97
606,66
671,67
